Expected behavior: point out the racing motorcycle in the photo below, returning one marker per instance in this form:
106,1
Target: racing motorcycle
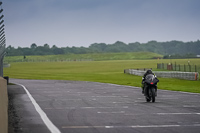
150,87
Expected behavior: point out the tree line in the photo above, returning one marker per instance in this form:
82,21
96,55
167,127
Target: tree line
170,48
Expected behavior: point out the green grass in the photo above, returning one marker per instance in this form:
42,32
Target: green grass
94,57
99,71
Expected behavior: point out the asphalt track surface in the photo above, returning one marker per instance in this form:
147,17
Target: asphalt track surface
89,107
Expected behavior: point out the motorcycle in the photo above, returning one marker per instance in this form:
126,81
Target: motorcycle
150,87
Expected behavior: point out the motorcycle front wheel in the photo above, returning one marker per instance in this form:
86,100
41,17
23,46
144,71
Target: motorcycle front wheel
148,94
148,99
153,94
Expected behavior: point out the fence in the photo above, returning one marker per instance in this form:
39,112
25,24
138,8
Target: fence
2,41
178,67
179,75
3,86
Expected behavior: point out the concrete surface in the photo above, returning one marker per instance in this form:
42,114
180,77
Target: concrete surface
23,118
3,106
88,107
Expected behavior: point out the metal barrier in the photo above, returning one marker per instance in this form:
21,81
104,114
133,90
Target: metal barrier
179,75
2,41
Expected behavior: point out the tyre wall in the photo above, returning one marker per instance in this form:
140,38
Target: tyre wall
165,74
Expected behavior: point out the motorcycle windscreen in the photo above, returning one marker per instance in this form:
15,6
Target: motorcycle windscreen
151,79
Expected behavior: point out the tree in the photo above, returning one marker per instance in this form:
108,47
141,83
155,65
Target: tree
57,50
164,48
54,46
33,46
46,46
98,47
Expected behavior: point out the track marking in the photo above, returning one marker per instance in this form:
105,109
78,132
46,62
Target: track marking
167,114
125,107
169,98
190,106
184,106
133,103
48,123
120,112
133,126
107,96
68,99
182,92
163,106
178,113
59,108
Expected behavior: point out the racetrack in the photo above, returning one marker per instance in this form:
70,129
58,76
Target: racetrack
89,107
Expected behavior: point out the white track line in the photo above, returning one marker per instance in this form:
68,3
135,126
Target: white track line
42,114
133,126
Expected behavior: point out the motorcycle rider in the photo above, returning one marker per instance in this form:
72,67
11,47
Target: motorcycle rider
149,71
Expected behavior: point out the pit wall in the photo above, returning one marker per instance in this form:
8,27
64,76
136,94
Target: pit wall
3,106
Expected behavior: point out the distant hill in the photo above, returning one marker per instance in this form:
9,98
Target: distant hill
85,57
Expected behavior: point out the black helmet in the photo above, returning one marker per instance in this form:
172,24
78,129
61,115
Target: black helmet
149,71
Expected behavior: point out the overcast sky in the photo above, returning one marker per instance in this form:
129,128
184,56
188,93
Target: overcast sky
83,22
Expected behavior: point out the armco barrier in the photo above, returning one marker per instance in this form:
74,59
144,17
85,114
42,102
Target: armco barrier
3,106
179,75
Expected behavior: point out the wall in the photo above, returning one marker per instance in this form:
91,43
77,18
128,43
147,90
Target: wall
165,74
3,106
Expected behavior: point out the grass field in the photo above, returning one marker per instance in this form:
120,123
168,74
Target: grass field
99,71
93,57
